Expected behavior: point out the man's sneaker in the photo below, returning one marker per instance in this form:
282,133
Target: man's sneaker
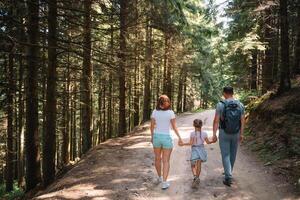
165,185
227,182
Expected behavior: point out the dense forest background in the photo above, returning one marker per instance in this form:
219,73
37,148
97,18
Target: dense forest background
76,73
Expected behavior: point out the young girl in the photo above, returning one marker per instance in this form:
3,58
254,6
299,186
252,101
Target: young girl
198,153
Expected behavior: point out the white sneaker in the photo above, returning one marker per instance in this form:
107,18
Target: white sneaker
165,185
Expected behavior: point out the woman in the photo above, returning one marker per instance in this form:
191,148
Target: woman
162,119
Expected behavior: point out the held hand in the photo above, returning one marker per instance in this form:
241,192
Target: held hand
215,139
180,142
241,138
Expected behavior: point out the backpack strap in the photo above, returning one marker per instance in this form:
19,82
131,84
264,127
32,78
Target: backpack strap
224,109
222,118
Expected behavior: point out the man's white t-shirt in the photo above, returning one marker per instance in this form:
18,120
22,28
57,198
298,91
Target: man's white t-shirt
162,120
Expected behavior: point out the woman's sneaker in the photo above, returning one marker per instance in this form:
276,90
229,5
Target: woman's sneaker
165,185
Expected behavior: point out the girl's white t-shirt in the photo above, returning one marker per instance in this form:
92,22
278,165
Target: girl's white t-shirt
162,120
199,137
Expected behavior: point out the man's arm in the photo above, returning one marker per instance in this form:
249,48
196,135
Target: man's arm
242,127
216,126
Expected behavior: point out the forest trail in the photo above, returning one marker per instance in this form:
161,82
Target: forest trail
123,169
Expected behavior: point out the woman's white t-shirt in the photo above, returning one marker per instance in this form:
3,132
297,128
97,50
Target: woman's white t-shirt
162,120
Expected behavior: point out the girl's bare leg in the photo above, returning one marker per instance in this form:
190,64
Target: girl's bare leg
158,152
194,168
198,168
166,163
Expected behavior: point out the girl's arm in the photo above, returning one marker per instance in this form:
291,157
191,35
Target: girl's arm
191,142
152,125
173,123
208,141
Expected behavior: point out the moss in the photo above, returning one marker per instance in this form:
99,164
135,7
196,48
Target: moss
273,130
16,193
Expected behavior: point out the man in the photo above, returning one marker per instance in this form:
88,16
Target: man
230,120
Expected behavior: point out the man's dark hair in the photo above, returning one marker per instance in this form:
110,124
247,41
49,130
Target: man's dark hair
228,90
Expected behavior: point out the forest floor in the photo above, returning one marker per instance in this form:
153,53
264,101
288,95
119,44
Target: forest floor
122,168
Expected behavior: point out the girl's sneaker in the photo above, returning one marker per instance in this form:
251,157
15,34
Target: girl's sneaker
165,185
159,180
196,182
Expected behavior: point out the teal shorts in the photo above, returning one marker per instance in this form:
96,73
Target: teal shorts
162,141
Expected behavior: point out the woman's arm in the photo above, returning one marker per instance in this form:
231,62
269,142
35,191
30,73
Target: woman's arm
173,123
152,125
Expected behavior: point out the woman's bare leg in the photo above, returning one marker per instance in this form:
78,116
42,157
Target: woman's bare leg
157,154
166,163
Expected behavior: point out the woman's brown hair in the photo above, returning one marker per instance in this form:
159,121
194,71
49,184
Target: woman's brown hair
161,101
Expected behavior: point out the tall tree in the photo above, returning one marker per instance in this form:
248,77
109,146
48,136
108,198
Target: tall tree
122,65
147,72
253,79
267,71
49,137
10,128
87,79
32,134
285,82
297,47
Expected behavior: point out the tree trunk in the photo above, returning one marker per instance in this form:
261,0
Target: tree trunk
104,114
10,114
65,156
75,137
49,137
110,82
21,126
32,135
185,91
122,57
267,71
109,115
136,98
285,82
86,79
180,90
20,133
100,114
253,82
148,73
276,43
297,47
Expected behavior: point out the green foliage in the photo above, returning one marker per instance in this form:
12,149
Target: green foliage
245,96
17,193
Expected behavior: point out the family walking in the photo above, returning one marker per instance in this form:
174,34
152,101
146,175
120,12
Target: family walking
229,120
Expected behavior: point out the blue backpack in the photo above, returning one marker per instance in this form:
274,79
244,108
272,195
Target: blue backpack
231,117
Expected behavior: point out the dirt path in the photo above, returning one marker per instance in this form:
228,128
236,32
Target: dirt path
123,169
